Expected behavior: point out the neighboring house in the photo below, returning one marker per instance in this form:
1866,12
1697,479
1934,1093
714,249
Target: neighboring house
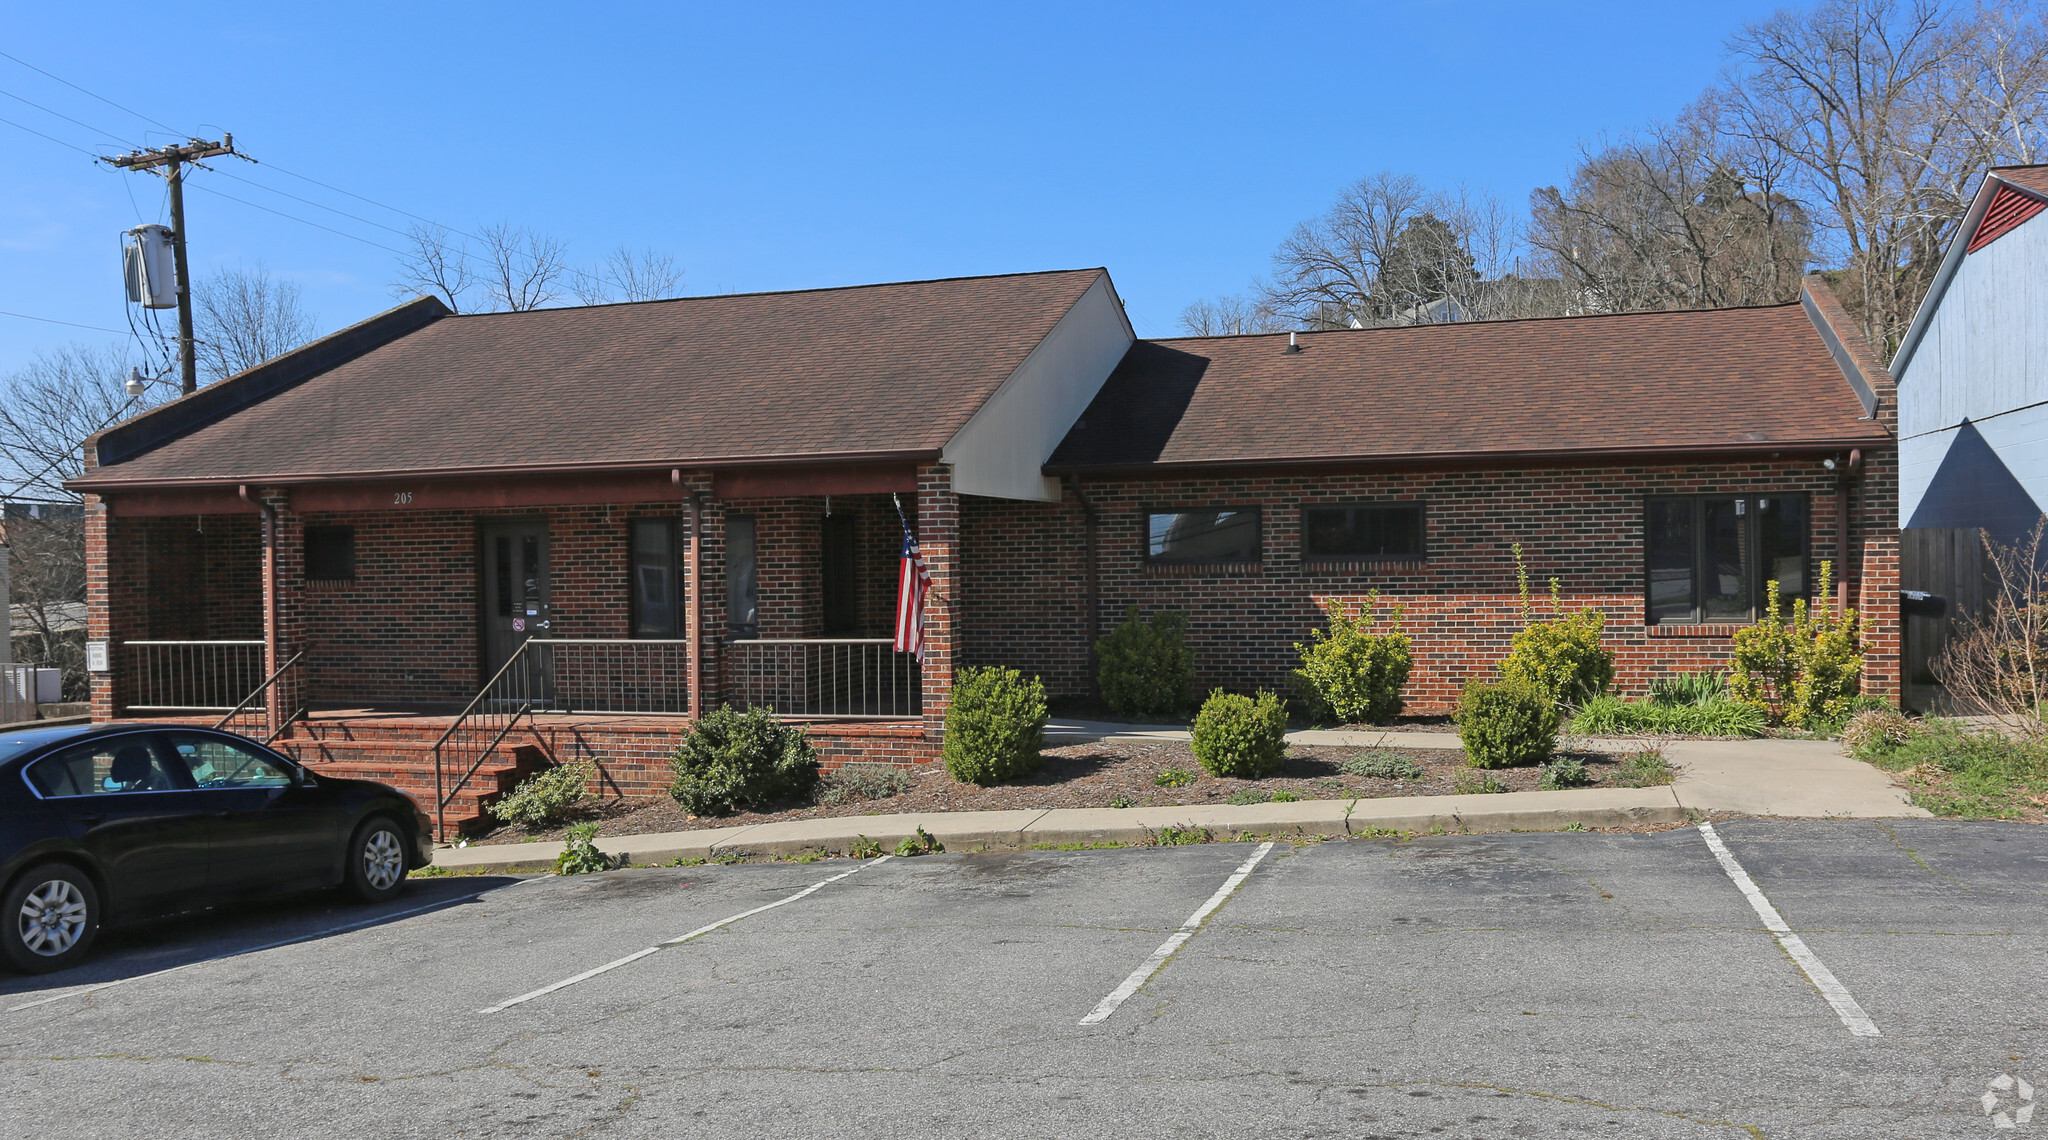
1972,373
440,490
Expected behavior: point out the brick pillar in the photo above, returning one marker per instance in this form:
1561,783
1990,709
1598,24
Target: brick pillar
1877,580
284,617
938,536
711,581
100,608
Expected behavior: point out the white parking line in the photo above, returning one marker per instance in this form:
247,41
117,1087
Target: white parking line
1823,979
678,940
1187,930
342,929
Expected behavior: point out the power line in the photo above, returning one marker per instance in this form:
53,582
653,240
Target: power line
296,218
60,114
101,98
53,138
54,321
310,202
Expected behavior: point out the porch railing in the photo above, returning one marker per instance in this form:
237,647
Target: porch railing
17,693
191,676
251,716
852,678
600,676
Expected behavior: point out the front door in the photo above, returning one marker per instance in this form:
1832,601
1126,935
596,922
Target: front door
515,593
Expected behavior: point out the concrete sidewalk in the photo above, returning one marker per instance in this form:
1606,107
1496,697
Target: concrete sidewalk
1800,778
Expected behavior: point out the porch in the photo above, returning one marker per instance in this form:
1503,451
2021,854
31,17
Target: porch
452,651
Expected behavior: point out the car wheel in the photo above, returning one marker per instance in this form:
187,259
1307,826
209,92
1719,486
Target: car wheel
376,860
52,913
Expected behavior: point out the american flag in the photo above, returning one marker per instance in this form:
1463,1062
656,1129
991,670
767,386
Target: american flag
913,582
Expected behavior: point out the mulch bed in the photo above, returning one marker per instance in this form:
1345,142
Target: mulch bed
1096,775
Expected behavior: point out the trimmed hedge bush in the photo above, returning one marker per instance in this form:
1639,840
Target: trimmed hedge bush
1352,674
1507,723
1145,667
734,759
541,800
1236,735
995,725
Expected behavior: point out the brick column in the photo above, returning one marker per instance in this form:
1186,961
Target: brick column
938,536
284,592
1877,581
99,608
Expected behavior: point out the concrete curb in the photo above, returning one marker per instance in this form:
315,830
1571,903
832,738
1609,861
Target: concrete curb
1010,830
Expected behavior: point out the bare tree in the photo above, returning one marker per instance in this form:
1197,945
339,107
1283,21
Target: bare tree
48,408
1888,112
523,269
1997,662
243,317
1231,315
47,554
1677,216
627,276
436,266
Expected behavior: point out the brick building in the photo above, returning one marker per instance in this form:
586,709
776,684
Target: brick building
464,544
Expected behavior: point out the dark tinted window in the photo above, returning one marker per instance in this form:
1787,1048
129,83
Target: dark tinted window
740,578
1708,557
1229,534
106,767
657,578
330,553
1393,531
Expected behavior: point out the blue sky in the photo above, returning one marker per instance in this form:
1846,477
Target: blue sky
790,146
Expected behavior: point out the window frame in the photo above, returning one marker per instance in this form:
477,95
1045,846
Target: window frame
1420,506
151,739
1751,528
344,531
678,539
748,632
1258,514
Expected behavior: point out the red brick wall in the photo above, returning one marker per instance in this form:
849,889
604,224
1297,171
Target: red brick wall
1025,568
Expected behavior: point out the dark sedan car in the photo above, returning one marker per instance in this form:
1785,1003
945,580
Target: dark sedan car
111,824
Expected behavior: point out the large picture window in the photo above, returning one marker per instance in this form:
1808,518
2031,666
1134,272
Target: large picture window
1708,556
1357,533
658,577
1224,534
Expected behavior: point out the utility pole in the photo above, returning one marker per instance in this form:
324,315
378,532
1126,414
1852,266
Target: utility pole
172,159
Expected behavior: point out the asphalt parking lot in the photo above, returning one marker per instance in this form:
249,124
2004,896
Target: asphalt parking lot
1565,984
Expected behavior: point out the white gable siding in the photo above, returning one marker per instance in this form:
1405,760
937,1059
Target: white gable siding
1001,452
1983,356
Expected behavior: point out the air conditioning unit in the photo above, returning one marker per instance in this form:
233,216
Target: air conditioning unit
150,267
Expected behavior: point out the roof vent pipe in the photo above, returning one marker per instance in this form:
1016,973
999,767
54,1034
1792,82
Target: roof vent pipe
1293,345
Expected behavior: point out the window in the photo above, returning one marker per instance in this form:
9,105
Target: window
1708,556
330,553
217,763
1361,532
105,767
658,577
1228,534
741,578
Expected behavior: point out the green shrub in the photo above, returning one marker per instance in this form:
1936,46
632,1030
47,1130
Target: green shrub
1612,716
1647,769
1506,723
581,856
995,726
734,759
1379,764
1562,656
1145,667
1236,735
541,800
1563,772
852,783
1351,674
1876,729
1477,784
1804,673
1285,797
1689,689
919,843
1173,778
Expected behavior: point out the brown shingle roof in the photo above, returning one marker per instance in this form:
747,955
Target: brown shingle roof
869,370
1636,382
2034,178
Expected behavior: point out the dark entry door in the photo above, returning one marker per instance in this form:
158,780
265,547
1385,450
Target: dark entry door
841,577
515,592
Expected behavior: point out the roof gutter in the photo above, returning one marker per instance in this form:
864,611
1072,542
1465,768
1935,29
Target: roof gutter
1483,458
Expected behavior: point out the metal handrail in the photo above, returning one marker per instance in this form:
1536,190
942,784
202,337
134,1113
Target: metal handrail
190,676
442,797
275,730
839,678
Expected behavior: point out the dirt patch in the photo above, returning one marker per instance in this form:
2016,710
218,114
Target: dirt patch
1106,773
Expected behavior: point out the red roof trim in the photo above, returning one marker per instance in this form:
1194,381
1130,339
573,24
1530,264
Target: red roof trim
2009,208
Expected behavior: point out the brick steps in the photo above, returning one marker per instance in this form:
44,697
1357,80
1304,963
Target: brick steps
405,761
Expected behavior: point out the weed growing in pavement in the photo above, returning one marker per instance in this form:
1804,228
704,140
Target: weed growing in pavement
1383,833
920,843
854,782
1170,836
864,848
1380,764
433,872
1477,784
729,858
1646,769
682,862
1563,772
1123,802
1249,796
1574,825
808,857
1105,845
581,856
1174,778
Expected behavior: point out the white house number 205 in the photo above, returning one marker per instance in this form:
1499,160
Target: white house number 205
400,498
